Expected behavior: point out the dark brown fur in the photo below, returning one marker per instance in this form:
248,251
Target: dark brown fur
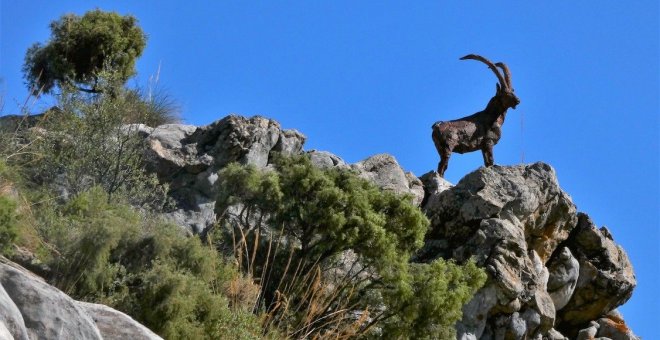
480,131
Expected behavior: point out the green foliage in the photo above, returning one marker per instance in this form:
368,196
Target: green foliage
441,288
86,142
80,48
153,108
110,253
302,225
8,230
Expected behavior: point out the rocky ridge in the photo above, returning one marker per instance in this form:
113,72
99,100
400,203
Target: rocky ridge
552,273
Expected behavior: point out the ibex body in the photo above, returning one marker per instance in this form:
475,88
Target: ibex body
480,131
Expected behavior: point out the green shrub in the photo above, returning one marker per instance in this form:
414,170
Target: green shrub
8,230
331,252
112,254
89,144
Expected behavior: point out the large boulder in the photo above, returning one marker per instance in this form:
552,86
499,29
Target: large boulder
47,313
326,160
385,172
510,220
550,272
606,278
564,269
114,324
32,309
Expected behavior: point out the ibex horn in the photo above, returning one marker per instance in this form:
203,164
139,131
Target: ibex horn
507,73
490,65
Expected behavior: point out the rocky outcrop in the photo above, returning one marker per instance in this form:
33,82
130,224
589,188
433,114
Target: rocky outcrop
188,159
550,270
32,309
552,273
606,278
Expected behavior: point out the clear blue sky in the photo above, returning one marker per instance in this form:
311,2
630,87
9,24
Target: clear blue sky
361,78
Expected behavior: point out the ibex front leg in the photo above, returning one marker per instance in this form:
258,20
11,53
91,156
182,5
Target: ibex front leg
487,152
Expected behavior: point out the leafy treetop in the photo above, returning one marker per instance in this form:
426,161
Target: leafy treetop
81,49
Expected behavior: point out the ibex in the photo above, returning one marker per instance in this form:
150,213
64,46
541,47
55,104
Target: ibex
480,131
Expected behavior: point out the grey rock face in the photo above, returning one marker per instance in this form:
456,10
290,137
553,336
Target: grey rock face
47,312
433,185
115,325
10,318
606,279
188,159
564,270
510,219
324,159
385,171
549,272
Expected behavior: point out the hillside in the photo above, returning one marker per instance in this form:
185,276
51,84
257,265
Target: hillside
552,273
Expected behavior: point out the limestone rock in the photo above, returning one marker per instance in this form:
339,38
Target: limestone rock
188,158
11,318
433,185
324,159
564,270
47,312
589,332
166,153
385,171
510,220
606,278
32,309
114,324
613,326
551,271
4,332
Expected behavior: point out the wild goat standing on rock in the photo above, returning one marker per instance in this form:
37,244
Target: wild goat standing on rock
480,131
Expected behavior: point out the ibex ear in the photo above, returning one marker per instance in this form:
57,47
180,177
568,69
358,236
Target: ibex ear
497,87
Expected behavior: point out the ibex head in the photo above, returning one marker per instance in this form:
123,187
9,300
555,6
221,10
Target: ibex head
504,89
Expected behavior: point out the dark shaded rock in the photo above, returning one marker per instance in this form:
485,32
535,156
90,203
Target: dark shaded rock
606,278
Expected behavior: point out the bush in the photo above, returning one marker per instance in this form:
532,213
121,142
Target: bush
8,231
331,253
112,254
89,144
